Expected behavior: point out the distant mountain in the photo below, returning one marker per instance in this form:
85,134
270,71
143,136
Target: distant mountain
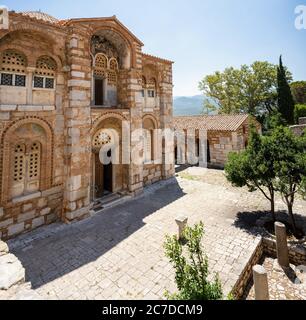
188,106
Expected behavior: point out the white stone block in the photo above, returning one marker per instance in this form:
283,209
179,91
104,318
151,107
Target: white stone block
38,222
45,211
27,197
77,74
79,83
48,108
15,229
26,216
4,18
11,271
73,43
5,223
3,248
78,95
8,107
74,183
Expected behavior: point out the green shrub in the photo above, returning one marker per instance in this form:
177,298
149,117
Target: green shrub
299,112
191,267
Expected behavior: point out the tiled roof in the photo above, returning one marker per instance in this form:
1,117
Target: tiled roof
216,122
157,58
41,16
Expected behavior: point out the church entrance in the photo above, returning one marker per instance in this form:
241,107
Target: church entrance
103,178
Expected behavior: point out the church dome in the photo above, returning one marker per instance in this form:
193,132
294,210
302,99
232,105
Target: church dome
41,16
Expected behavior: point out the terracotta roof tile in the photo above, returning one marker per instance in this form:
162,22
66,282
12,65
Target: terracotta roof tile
213,123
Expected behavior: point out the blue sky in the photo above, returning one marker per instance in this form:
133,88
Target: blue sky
201,36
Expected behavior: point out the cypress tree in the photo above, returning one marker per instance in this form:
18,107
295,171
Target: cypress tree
285,99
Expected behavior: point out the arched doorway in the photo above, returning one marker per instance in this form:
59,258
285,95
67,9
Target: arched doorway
103,172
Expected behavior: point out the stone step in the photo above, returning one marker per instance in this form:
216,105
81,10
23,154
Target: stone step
109,201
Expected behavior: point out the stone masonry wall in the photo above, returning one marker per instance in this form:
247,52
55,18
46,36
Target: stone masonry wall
68,118
33,39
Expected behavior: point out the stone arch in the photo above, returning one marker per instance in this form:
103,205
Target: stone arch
117,31
150,124
105,116
14,52
109,126
33,55
28,27
152,118
8,140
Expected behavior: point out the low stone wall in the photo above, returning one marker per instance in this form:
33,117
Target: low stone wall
246,275
266,247
297,252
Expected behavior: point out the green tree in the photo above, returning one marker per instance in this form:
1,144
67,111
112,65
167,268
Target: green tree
249,89
299,112
289,166
191,267
298,89
254,168
285,102
272,163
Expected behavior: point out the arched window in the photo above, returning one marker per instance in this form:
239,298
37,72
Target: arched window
105,80
148,148
12,68
101,138
100,65
26,159
45,73
26,168
151,88
113,64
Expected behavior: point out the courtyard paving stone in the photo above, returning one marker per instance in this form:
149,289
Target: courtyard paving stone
118,253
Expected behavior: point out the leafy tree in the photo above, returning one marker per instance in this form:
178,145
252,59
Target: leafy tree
289,166
272,163
254,168
298,89
191,267
299,112
285,100
250,89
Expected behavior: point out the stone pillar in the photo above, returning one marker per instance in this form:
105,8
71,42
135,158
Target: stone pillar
78,124
260,279
29,84
166,111
131,98
281,244
182,223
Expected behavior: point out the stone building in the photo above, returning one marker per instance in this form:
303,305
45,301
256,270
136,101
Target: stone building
300,128
65,87
224,133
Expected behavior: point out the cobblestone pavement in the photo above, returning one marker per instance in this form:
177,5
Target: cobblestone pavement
282,286
118,253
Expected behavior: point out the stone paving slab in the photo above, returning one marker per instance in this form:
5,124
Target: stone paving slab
282,286
118,254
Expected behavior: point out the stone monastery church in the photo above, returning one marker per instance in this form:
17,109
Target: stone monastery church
69,88
63,84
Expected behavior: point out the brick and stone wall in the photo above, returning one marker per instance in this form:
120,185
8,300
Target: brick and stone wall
68,119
